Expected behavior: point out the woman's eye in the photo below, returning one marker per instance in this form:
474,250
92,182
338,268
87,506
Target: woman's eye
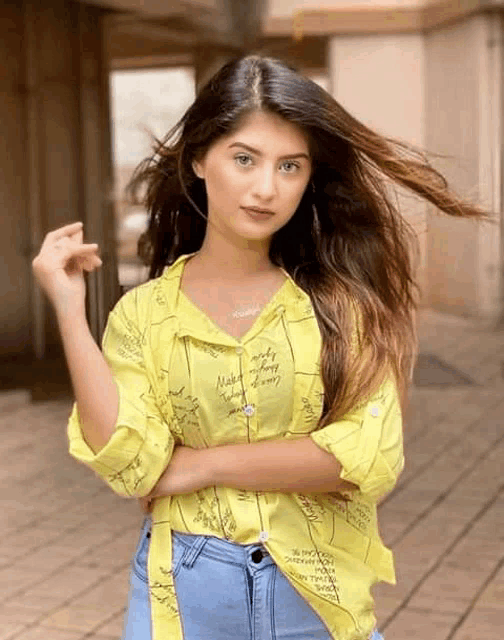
243,160
290,167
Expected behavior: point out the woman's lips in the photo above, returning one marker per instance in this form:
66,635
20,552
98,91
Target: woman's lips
258,214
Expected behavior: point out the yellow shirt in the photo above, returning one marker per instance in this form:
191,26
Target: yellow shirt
183,380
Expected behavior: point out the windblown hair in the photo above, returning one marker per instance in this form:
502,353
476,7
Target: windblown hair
347,246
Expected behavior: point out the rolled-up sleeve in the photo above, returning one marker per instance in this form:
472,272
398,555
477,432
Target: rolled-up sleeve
141,445
368,442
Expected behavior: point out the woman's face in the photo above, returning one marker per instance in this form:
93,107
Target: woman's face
264,165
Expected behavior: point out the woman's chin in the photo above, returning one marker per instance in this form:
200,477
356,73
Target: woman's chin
255,235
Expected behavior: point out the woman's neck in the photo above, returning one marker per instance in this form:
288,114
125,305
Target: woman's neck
234,265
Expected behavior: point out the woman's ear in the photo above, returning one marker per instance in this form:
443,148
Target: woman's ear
197,168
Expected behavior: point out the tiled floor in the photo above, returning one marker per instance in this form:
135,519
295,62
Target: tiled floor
67,540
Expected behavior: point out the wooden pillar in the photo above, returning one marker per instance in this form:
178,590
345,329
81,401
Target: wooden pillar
56,162
15,336
96,165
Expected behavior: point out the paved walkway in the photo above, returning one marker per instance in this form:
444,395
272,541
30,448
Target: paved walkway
67,540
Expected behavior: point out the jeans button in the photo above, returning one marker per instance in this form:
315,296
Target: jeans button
257,555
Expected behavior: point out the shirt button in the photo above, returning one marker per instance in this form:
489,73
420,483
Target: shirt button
263,536
248,410
239,350
375,411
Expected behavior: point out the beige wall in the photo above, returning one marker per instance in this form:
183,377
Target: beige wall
464,112
380,81
441,91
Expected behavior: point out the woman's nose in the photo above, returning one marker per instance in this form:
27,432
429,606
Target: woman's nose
265,185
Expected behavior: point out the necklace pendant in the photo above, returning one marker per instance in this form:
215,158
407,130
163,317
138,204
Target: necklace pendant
242,313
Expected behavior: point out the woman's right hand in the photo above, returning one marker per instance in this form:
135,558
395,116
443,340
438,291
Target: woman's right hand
59,267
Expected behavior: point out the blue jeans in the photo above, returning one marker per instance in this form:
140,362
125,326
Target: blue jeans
250,596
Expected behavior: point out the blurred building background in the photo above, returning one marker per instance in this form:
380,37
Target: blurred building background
144,103
82,82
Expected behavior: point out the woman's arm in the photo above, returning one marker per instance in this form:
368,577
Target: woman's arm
274,465
59,269
363,450
141,444
93,385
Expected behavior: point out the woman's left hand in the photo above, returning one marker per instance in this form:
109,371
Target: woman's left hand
187,471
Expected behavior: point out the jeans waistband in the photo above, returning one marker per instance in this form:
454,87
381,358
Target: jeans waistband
219,549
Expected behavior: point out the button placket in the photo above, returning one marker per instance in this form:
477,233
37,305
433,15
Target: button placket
249,408
249,405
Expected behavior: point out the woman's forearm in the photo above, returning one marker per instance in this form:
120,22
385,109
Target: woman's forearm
297,465
92,381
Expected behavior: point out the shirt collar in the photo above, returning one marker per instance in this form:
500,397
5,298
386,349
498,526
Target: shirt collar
290,300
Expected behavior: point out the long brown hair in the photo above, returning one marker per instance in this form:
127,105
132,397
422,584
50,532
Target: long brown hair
347,245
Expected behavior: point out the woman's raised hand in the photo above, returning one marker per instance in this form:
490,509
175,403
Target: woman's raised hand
59,267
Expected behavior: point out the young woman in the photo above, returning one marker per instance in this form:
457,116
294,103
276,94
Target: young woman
250,392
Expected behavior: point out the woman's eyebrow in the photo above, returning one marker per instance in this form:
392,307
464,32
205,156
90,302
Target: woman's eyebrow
257,152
